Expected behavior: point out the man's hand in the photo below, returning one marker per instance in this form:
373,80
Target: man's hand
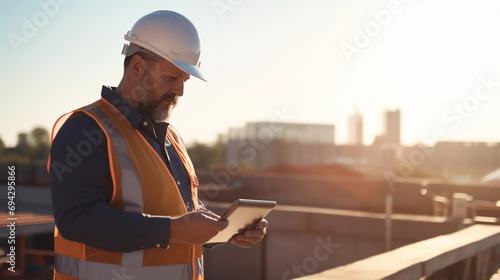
250,237
195,227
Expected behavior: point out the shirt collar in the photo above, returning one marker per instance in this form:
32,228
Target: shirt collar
133,116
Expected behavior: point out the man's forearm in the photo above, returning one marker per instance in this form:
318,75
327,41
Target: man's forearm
109,229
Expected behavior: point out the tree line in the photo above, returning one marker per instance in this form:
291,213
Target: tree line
31,146
35,146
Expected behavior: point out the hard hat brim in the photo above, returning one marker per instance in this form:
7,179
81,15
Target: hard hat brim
189,69
138,46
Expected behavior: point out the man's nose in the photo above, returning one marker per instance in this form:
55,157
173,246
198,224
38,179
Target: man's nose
179,88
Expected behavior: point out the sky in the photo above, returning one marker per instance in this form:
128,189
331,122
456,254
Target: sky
290,61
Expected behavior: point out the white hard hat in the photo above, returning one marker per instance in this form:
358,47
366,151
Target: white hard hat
169,35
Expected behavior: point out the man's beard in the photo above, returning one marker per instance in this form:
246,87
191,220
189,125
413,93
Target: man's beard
153,109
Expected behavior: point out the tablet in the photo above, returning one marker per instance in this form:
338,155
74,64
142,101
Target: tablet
243,213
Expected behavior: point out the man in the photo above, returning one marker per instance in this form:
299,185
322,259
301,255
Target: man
123,187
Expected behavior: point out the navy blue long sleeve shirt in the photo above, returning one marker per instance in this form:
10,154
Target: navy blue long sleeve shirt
82,187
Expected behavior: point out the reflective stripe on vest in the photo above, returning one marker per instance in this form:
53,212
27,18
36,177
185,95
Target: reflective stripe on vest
127,150
102,271
131,195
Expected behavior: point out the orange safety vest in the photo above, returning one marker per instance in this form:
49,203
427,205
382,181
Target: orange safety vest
141,183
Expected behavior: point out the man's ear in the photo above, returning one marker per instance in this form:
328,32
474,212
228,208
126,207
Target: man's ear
137,66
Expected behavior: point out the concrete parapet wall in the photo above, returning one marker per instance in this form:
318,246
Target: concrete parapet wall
303,241
429,258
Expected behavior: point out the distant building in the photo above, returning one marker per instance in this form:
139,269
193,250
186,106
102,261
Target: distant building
386,148
454,154
265,144
355,133
290,132
392,127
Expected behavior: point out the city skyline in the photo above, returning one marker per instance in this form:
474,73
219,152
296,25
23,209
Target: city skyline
305,63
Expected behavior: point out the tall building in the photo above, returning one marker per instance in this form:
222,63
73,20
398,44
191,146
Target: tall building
355,133
392,127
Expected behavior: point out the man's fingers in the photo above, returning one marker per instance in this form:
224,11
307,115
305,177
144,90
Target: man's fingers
254,233
218,225
263,224
210,215
242,244
214,220
245,241
222,224
249,239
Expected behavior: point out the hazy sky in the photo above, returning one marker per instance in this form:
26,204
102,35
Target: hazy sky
297,61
